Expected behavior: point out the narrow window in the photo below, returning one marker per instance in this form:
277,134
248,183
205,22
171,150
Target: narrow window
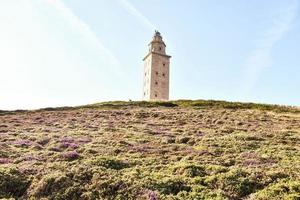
160,48
156,73
155,95
164,64
156,83
163,74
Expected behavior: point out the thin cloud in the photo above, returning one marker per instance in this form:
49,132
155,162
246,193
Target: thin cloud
60,61
86,32
261,58
133,11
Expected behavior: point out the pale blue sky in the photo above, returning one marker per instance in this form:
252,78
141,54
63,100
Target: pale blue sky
72,52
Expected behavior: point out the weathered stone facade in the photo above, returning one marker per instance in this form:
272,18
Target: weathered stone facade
156,71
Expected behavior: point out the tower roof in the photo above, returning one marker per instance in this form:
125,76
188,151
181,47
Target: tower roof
155,46
157,38
157,33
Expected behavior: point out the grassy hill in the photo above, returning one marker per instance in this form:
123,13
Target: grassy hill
158,150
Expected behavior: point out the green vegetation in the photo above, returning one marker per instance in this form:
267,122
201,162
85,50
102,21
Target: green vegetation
183,149
196,104
13,183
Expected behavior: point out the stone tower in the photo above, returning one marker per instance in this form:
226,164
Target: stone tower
156,71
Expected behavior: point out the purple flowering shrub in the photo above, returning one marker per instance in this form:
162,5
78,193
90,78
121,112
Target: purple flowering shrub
147,150
70,155
4,160
23,143
71,145
152,195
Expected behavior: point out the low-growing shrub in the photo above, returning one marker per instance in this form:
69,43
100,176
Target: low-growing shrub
114,185
110,163
57,186
168,140
190,170
70,155
236,183
43,141
182,139
169,186
13,184
285,189
4,160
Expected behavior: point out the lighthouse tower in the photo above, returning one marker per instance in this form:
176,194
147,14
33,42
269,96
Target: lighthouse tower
156,71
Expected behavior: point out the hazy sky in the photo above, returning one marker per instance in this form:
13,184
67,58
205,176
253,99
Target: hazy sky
72,52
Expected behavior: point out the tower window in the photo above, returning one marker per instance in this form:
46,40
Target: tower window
163,74
156,83
155,95
164,64
160,48
156,73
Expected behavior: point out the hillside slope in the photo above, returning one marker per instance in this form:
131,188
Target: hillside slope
158,150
